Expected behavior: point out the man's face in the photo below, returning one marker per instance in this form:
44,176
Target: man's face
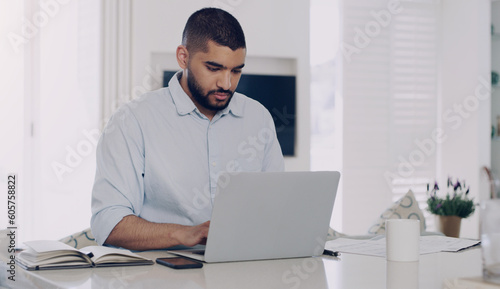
212,76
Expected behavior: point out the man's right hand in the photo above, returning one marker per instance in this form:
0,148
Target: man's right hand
192,235
135,233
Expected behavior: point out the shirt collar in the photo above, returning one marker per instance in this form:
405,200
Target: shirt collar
235,106
185,105
182,102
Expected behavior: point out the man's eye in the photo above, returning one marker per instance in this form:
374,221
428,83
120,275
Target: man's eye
213,68
237,71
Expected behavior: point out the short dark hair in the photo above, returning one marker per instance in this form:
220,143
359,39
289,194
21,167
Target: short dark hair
212,24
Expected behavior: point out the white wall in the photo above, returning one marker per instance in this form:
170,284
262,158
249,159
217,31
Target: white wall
11,102
65,110
273,29
465,67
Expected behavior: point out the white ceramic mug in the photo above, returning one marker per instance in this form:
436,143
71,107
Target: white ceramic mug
402,240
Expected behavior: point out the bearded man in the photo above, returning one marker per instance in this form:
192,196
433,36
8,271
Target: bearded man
161,155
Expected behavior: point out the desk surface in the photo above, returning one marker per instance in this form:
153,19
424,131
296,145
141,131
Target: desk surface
349,271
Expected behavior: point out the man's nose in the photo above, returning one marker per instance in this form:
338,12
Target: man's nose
224,80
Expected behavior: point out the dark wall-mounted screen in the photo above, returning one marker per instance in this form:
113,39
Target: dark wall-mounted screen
277,94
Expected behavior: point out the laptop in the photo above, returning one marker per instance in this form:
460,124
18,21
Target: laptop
276,215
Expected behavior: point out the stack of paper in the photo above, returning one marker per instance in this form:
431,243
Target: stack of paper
376,245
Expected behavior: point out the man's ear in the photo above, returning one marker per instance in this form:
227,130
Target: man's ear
182,56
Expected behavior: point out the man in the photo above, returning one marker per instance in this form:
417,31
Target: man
161,155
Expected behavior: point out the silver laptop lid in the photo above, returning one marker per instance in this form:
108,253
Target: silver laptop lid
271,215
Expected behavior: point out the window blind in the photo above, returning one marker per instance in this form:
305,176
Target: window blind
389,91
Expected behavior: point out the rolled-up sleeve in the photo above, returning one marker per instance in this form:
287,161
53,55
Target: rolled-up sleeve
119,184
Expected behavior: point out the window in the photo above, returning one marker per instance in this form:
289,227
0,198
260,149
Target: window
390,101
54,118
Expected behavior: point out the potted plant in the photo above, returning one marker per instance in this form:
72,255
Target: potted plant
452,208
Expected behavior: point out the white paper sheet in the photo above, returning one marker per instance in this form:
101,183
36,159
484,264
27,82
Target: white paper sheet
376,245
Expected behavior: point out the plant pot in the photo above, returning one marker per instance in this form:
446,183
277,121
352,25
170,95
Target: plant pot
450,225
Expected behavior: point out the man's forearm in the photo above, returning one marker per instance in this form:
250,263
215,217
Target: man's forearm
135,233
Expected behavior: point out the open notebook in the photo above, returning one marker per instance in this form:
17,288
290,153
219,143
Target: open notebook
49,254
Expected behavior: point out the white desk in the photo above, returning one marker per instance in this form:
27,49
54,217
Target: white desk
349,271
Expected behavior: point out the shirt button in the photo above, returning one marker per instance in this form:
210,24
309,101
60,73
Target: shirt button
213,164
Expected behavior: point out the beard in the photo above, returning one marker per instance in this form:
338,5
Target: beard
203,99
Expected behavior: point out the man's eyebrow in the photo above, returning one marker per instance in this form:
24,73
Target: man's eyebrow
215,64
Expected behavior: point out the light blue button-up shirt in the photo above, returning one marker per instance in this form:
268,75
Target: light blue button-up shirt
160,158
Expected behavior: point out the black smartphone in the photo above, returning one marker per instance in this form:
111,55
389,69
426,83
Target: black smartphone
179,263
